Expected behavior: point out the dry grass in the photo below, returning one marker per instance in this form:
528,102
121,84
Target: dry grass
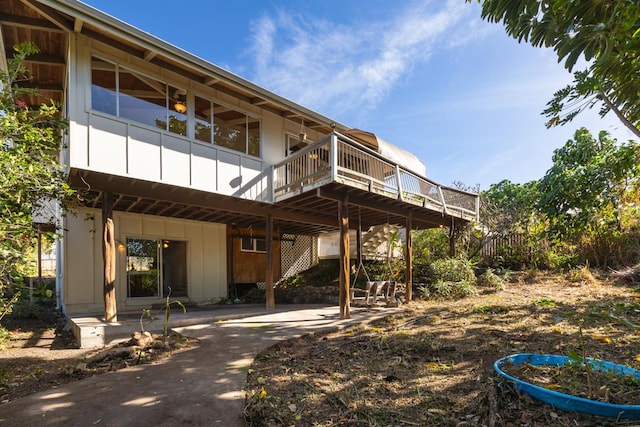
432,365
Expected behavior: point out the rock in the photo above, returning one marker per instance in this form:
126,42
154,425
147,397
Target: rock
159,344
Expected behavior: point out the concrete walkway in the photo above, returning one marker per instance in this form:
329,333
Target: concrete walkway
199,387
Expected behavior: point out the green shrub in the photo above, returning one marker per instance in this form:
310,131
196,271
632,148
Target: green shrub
448,278
452,270
452,290
490,279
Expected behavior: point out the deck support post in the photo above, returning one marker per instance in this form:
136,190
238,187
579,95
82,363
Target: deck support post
270,297
109,259
408,256
343,219
452,240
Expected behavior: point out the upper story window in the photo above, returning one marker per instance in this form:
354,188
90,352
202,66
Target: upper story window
293,144
126,93
131,95
226,127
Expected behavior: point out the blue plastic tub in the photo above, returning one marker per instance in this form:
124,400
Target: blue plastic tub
566,401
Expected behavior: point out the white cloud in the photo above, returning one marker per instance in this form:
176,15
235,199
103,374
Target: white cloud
350,66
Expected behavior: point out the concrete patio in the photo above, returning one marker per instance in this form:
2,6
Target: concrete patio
202,386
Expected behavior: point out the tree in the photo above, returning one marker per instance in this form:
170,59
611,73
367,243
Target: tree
511,222
509,208
584,195
606,33
30,173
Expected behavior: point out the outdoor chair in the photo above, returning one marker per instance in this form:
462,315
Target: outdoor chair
362,294
380,291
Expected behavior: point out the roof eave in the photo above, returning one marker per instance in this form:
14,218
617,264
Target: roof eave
147,41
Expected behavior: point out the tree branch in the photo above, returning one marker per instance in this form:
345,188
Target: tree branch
619,114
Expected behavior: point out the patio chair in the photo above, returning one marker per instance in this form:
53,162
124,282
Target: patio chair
380,291
363,294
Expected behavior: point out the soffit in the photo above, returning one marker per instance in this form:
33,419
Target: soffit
310,213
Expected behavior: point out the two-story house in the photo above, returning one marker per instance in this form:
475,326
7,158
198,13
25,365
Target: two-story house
193,179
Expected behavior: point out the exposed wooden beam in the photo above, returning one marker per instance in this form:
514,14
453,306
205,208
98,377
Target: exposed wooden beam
40,58
134,204
149,55
113,43
391,208
27,22
77,25
151,206
209,81
53,87
51,14
166,209
259,101
201,199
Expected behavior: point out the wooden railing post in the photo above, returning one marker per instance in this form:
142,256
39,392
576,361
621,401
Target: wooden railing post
399,182
333,156
444,204
273,182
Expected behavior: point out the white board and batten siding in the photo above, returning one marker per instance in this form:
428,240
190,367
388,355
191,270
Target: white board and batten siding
114,145
83,265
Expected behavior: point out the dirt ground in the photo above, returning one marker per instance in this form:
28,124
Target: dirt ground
433,365
42,354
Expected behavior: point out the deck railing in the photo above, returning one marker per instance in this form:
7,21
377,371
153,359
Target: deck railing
337,158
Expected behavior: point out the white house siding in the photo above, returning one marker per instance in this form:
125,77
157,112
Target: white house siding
114,145
83,265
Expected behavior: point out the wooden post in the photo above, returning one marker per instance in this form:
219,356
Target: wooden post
270,297
109,259
408,256
358,250
343,219
452,240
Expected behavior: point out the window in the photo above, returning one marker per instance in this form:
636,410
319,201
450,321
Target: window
124,93
226,127
203,120
294,144
250,244
104,91
155,267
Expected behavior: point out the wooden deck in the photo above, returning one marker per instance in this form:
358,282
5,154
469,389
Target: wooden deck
338,159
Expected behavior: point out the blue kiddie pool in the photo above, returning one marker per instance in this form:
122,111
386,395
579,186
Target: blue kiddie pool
566,401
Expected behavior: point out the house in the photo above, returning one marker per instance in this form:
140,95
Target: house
191,179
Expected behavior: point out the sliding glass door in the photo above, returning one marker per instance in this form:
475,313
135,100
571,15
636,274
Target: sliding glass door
156,268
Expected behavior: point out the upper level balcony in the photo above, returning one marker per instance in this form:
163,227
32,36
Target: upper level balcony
336,158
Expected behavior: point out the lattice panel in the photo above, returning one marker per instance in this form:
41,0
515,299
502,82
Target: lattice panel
297,253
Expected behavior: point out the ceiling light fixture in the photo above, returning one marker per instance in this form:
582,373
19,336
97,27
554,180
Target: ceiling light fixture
181,101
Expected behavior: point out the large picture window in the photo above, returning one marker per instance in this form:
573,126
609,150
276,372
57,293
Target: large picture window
156,267
126,93
226,127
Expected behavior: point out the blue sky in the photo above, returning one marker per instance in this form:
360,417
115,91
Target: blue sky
427,75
